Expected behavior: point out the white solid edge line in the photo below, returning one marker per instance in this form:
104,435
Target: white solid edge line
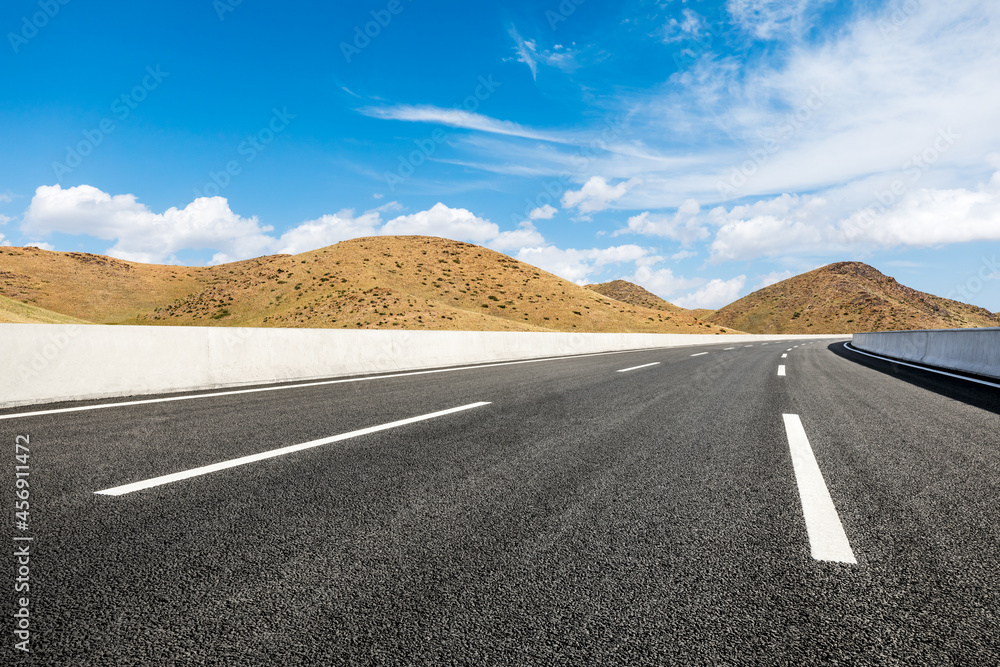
781,370
827,540
232,463
625,370
922,368
699,354
302,385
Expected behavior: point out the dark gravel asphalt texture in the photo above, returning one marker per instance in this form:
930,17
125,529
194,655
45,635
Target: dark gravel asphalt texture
584,517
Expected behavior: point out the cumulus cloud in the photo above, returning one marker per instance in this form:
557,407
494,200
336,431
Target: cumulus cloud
772,278
546,212
577,265
684,225
40,244
140,234
207,223
327,230
715,294
453,223
662,282
525,236
812,224
595,195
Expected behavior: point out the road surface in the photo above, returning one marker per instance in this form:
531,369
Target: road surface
680,506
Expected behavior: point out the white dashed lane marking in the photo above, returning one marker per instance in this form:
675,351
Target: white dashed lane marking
827,539
243,460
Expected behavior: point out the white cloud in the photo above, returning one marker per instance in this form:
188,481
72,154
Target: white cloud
683,226
813,224
543,212
772,278
40,244
140,234
595,195
457,118
863,99
929,217
207,223
691,25
576,265
5,197
4,241
683,254
661,282
560,57
5,219
530,54
764,18
327,230
715,294
453,223
526,236
525,52
765,236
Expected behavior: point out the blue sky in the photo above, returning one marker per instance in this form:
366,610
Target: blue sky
701,149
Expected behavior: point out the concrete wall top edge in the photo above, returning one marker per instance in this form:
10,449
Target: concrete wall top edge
909,331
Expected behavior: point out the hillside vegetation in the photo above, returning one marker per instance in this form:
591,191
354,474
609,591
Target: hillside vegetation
846,297
622,290
409,282
15,312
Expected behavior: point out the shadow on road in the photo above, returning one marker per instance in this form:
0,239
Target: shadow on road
971,393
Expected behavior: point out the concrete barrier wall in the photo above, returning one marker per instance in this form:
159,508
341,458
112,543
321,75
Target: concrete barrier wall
51,362
968,350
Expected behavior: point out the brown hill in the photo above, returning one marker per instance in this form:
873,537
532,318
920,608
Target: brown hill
12,311
623,290
846,297
408,282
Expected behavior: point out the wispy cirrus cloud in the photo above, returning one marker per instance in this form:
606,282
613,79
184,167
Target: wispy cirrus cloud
771,19
525,51
459,118
529,53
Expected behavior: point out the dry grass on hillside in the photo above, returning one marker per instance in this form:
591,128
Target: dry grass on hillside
847,297
16,312
100,289
623,290
409,282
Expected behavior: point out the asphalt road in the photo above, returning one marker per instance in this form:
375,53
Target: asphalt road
584,516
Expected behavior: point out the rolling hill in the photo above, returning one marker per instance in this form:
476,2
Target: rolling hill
622,290
410,282
846,297
12,311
